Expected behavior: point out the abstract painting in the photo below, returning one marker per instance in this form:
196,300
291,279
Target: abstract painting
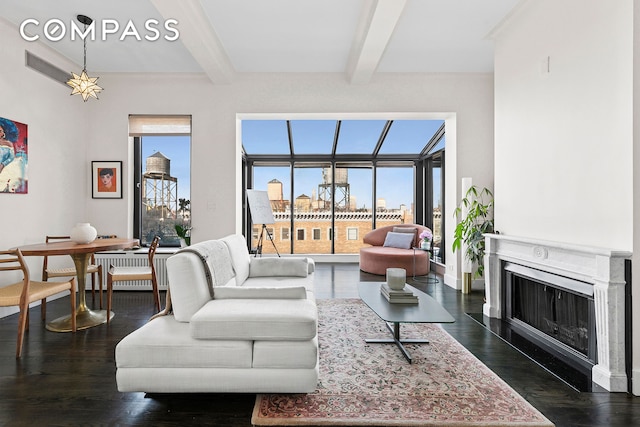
13,157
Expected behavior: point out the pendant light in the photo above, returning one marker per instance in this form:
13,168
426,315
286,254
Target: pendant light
82,84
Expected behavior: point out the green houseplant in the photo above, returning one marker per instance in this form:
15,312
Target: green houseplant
478,206
184,233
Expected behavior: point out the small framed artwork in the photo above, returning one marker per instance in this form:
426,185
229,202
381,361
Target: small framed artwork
106,180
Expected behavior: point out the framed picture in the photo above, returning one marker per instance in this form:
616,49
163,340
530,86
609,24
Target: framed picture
13,156
106,180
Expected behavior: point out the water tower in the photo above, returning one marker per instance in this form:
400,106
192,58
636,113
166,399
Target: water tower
159,188
342,191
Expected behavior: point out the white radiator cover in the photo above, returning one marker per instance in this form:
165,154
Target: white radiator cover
138,258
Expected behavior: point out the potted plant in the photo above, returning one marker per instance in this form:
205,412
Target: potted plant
475,213
425,239
184,233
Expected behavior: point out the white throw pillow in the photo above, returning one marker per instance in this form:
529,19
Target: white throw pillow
287,267
398,240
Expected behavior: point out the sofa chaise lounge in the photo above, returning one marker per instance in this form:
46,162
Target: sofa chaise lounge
384,252
250,327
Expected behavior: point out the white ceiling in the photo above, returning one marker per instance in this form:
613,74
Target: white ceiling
224,37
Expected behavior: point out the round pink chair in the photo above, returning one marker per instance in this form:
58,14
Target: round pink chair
375,259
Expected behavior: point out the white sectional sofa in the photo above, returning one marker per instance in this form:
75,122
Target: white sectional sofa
250,327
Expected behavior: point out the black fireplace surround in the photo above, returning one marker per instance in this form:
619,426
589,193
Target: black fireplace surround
553,312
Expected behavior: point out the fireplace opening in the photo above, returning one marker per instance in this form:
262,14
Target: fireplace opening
552,312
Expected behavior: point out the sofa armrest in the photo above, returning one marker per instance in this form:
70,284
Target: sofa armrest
285,267
241,292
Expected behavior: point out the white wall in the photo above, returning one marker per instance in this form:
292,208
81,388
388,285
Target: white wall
564,155
563,149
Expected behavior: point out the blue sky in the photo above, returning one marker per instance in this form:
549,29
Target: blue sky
178,150
395,185
391,183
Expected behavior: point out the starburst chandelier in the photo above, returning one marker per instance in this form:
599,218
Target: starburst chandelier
82,84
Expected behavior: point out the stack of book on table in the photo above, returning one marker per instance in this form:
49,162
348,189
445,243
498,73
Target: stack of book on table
403,296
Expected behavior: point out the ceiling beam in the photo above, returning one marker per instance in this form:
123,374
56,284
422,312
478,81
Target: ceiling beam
199,37
377,22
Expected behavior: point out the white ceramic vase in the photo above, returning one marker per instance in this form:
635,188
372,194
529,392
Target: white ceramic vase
83,233
396,278
425,244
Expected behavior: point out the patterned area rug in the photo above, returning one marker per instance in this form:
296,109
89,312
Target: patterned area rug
372,384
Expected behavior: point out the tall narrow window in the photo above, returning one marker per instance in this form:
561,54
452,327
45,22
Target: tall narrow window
162,177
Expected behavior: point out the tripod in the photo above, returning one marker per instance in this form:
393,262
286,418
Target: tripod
261,239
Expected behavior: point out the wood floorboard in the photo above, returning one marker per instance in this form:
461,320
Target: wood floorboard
69,379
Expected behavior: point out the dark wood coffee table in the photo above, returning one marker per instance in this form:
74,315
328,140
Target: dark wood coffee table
428,310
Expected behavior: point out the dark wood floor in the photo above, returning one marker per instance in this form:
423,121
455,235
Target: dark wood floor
65,379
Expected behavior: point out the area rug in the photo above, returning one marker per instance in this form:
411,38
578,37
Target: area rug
372,384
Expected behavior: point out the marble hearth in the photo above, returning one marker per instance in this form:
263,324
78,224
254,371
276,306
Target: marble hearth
601,268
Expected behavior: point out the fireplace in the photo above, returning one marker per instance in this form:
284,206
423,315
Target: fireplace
554,312
570,300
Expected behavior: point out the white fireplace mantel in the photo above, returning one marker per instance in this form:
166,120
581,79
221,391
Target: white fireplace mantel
600,267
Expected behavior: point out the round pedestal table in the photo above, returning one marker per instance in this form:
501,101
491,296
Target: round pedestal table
81,254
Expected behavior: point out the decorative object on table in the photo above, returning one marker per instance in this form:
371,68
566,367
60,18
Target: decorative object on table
184,234
475,213
106,179
425,239
13,157
445,385
83,233
403,296
82,84
396,278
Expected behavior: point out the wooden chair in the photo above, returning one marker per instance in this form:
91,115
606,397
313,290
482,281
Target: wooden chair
122,274
92,269
22,293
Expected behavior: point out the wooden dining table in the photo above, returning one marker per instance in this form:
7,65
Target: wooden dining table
81,255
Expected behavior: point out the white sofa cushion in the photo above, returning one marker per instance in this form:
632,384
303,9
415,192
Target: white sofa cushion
188,285
281,282
285,354
239,256
239,292
264,267
254,319
167,343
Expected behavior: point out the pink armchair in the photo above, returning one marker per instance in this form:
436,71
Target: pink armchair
375,259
